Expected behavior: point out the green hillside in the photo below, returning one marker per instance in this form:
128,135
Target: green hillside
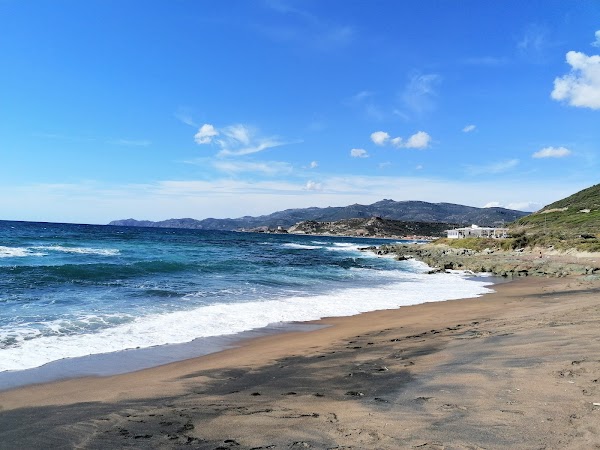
571,222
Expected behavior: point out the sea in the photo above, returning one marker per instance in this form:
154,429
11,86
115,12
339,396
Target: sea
71,293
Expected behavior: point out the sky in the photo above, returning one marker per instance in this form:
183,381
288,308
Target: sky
114,109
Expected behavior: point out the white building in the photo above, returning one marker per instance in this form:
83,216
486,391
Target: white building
476,231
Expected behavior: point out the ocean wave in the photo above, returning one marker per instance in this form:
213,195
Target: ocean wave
345,247
80,250
229,318
301,246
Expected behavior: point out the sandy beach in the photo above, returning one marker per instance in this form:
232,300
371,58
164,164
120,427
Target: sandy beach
518,368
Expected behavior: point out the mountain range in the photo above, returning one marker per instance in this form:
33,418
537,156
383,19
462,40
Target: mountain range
408,211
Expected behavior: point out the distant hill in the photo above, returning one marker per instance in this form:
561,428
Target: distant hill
408,211
372,227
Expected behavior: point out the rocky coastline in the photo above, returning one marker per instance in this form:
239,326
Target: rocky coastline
509,264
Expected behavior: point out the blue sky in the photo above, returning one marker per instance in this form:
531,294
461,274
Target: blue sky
160,109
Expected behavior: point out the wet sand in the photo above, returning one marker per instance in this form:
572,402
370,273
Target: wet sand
518,368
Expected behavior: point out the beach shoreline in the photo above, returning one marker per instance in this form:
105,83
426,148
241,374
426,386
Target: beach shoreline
471,373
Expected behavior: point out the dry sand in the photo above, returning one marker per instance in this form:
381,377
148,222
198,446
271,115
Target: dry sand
515,369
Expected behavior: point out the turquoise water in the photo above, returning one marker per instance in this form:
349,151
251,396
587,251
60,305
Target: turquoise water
75,290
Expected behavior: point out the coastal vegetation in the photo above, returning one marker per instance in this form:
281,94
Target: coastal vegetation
572,223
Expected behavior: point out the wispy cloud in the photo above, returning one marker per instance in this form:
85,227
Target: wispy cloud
420,92
361,96
581,86
236,140
185,117
469,128
131,142
304,27
493,168
552,152
313,186
365,101
534,43
269,168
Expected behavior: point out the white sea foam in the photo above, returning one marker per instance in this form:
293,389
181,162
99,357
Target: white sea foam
229,318
80,250
301,246
17,252
345,247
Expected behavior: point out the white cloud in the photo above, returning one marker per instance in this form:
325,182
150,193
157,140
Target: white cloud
552,152
396,142
519,206
205,134
418,140
525,206
596,43
497,167
581,86
359,153
380,137
469,128
313,186
313,165
493,205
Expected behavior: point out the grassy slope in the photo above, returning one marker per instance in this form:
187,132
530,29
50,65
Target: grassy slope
570,221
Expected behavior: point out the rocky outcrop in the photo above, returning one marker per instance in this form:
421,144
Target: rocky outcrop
372,227
503,263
